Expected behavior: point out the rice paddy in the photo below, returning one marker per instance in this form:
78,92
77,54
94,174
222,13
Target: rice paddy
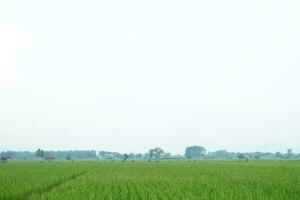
176,179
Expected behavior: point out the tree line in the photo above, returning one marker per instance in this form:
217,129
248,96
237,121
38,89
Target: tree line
191,152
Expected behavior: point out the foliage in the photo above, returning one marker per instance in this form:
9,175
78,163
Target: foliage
92,154
68,157
156,153
241,156
126,156
195,152
39,153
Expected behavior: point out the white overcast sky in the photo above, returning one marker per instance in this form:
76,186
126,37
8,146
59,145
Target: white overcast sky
131,75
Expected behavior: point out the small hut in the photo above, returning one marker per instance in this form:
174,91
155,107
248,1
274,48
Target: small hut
49,158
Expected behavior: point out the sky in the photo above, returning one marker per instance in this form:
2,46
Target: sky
128,76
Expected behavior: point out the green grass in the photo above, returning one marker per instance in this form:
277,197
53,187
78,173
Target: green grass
151,180
20,179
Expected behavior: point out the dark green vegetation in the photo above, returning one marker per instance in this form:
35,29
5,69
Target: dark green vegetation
191,152
150,180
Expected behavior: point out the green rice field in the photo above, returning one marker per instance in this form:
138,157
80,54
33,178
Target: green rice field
201,179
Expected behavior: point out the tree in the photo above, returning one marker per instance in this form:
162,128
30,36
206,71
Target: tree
289,153
68,157
278,154
221,154
167,155
39,153
125,157
42,153
241,156
151,153
156,153
195,152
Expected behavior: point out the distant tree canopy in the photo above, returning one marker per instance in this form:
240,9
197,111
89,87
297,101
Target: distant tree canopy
110,155
241,156
221,154
289,153
90,154
68,157
156,153
125,157
39,153
195,152
278,155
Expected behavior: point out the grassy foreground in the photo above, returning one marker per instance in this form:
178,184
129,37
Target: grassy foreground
150,180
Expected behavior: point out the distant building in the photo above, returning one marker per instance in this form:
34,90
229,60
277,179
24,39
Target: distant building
49,158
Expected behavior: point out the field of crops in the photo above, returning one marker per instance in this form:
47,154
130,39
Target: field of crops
34,180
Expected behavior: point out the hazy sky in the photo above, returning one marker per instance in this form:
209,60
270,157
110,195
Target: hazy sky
131,75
